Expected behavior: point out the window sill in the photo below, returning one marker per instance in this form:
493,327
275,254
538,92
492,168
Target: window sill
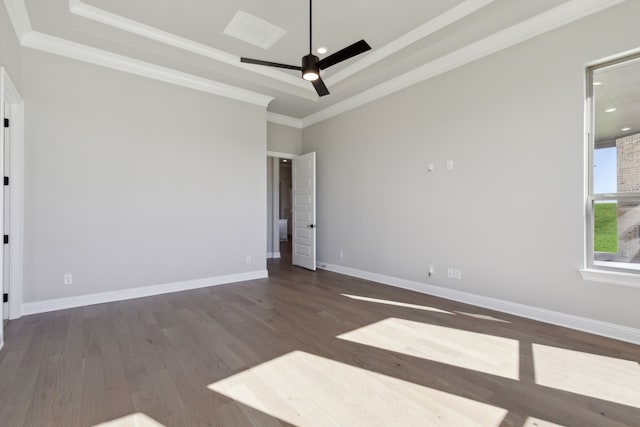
611,277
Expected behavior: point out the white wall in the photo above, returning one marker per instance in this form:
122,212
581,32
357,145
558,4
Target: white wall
510,214
9,47
132,182
284,139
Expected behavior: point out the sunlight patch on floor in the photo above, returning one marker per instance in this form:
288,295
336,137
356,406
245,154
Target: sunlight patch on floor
535,422
396,303
602,377
133,420
308,390
464,349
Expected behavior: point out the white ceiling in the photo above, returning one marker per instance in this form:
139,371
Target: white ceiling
411,40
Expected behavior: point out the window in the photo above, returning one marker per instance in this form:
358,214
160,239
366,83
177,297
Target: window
613,208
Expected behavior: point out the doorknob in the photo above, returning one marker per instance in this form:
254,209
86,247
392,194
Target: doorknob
311,226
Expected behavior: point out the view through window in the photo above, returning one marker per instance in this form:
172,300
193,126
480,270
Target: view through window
614,181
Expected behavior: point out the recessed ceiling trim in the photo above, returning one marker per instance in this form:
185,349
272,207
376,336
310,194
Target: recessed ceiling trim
77,7
456,13
73,50
539,24
281,119
19,17
447,18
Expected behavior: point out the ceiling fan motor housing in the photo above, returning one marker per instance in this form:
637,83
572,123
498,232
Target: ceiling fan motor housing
310,65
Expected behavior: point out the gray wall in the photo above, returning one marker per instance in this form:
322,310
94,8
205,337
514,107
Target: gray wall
9,47
132,182
284,139
510,214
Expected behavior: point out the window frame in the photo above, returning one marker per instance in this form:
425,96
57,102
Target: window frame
619,270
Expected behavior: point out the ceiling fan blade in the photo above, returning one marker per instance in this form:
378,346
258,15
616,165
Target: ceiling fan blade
270,64
342,55
320,87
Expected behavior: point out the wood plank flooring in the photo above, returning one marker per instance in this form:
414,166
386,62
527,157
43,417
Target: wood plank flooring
309,349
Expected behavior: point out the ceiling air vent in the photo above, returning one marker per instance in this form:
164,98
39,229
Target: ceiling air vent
253,30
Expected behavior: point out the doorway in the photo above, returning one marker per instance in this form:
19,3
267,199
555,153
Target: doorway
279,203
11,202
291,206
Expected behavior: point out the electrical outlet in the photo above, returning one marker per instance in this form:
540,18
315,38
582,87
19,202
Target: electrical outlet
625,253
247,259
457,273
68,279
341,254
431,270
449,165
450,273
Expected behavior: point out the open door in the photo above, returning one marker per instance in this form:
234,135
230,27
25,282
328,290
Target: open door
4,114
304,211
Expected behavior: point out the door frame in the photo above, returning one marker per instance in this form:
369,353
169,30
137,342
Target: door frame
9,94
275,227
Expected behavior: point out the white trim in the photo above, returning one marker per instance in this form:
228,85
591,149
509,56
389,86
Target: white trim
540,24
611,277
447,18
273,255
281,119
19,17
280,155
619,332
146,291
564,14
11,95
79,8
103,58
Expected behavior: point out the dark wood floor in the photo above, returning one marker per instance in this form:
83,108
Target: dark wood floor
160,356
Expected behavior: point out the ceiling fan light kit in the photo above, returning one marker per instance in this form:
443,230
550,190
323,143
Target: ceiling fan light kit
311,64
310,69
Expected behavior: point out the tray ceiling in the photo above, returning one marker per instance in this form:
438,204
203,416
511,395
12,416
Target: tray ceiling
411,40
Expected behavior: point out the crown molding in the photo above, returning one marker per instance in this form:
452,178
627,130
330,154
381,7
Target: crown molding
19,17
77,7
103,58
447,18
539,24
562,15
281,119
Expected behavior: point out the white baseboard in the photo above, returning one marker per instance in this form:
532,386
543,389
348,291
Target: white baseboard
273,255
146,291
610,330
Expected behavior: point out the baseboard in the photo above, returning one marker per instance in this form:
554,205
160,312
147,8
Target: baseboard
273,255
146,291
610,330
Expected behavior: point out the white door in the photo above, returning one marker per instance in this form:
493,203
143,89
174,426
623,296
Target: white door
4,112
6,149
304,211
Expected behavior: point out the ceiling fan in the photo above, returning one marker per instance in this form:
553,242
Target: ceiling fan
311,64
